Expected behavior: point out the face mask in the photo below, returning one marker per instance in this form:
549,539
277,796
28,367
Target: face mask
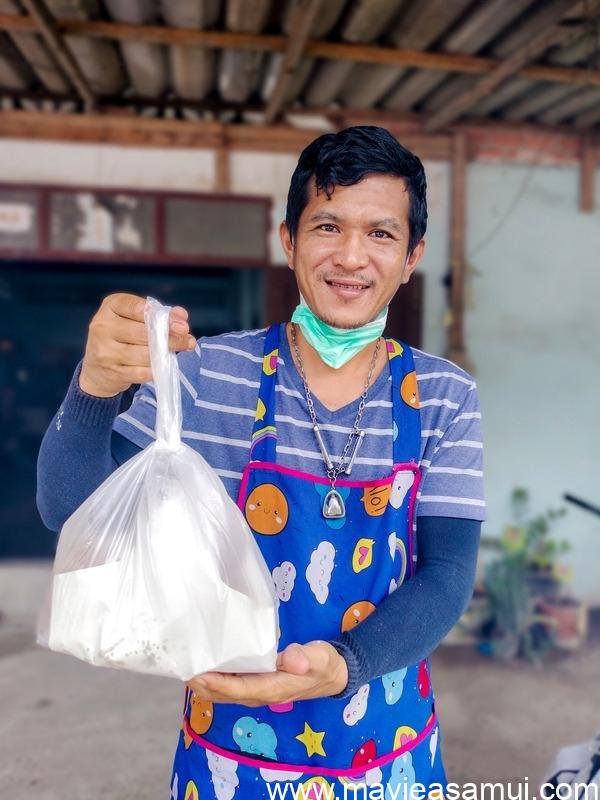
336,346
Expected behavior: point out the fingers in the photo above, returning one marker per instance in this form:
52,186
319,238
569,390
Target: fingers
132,333
129,306
179,312
246,689
293,660
116,353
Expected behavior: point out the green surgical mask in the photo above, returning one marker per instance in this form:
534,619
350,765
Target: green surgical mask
336,346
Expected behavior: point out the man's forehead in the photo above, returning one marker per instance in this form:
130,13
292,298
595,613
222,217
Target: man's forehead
371,179
384,197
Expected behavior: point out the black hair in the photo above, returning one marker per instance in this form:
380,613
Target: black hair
344,158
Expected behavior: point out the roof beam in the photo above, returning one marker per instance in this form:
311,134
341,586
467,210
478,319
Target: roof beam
547,146
142,132
549,34
303,16
317,48
46,25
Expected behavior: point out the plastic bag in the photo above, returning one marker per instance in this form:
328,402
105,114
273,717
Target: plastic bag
158,571
576,767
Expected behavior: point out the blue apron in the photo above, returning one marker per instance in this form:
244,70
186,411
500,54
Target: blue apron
330,575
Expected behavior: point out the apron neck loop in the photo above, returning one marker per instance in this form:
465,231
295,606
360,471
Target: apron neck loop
406,419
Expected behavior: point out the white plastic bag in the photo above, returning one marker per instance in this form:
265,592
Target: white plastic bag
157,571
576,767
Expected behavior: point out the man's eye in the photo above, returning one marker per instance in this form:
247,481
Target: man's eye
381,235
327,227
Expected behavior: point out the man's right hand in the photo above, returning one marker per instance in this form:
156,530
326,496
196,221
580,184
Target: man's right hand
116,351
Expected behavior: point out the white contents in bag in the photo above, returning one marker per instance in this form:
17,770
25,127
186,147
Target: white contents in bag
158,571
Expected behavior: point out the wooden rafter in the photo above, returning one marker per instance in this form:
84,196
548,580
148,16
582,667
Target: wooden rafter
366,54
550,34
47,26
303,17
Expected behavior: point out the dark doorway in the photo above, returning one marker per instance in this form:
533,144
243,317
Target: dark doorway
44,313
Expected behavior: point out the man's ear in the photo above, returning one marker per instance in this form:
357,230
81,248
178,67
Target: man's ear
287,244
412,261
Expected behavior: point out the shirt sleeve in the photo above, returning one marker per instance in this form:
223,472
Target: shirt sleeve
452,464
428,605
139,421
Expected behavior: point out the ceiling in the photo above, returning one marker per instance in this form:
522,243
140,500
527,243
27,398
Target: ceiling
441,61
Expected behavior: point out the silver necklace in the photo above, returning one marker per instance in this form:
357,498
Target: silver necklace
333,504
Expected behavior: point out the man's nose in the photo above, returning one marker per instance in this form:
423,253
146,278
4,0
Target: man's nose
351,252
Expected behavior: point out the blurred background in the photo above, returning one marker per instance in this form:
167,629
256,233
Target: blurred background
147,147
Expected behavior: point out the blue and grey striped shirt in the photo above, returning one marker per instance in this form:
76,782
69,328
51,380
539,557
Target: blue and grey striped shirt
219,387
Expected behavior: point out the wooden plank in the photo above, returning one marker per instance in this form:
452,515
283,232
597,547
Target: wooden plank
48,28
587,176
546,37
303,16
158,34
110,129
367,54
456,343
133,130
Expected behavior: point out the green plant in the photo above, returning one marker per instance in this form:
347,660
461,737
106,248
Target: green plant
526,569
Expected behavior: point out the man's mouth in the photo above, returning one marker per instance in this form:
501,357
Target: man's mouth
348,286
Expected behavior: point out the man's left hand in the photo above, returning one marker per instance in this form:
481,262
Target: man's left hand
304,671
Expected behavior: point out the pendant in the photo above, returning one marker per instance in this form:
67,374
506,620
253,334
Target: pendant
333,505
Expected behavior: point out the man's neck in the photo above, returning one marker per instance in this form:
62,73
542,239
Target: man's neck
336,387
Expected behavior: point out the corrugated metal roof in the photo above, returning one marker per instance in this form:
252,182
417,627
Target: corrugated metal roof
524,60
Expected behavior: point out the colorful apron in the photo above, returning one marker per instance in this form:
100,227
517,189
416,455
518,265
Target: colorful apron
330,575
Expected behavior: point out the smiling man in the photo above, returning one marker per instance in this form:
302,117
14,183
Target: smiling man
357,461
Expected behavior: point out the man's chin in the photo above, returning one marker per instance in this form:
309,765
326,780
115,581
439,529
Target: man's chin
344,323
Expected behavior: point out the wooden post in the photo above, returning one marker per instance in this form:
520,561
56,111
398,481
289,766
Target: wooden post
456,350
587,175
222,169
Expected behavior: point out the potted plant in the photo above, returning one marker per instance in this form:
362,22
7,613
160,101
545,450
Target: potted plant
530,608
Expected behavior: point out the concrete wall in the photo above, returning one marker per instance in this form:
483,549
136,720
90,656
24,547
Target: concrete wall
534,334
533,326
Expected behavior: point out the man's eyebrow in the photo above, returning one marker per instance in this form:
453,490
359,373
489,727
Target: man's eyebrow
388,222
324,215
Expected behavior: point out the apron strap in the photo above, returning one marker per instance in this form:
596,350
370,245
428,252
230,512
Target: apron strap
406,417
264,432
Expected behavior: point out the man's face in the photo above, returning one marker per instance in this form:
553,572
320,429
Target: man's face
350,253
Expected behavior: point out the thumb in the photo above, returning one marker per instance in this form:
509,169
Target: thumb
293,660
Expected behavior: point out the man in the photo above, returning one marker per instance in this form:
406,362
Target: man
330,437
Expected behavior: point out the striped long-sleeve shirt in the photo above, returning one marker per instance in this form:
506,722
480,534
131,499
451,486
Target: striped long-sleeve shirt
219,386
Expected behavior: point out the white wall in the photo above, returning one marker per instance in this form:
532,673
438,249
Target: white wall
533,324
106,165
534,334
